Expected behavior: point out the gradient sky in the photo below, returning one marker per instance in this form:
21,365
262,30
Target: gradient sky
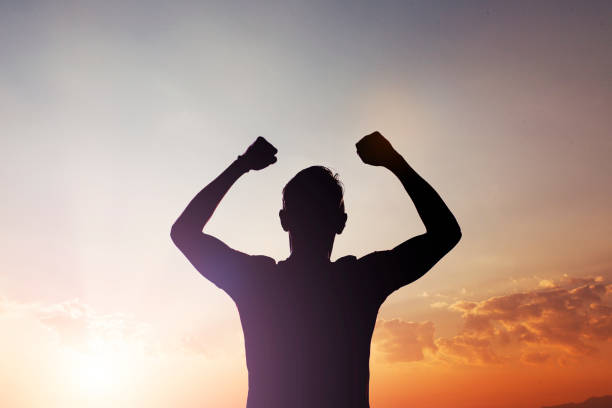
113,115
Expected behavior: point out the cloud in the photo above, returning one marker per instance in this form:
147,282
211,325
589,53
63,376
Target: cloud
535,357
560,321
76,325
468,348
571,318
72,355
403,341
546,283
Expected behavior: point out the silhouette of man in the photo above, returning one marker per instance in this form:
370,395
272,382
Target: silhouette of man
308,321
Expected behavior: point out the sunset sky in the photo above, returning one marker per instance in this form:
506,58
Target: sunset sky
114,114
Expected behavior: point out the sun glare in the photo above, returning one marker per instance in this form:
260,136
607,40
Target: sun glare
96,373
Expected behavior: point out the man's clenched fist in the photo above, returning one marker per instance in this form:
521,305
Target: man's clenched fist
375,150
260,154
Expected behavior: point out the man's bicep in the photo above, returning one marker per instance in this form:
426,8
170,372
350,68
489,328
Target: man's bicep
224,266
391,269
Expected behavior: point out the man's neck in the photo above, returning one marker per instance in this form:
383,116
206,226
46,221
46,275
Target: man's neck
309,258
310,250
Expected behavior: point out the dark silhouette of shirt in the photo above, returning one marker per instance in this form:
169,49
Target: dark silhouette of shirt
307,328
308,332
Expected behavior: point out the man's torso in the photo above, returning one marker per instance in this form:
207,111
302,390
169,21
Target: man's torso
307,335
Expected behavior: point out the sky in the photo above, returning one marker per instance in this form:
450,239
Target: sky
113,115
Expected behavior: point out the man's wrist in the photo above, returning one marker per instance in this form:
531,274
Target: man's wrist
242,164
396,163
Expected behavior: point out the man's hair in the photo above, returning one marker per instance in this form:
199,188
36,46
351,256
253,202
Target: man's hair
315,187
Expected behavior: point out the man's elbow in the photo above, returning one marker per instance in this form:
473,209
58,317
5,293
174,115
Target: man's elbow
184,235
446,238
177,234
453,236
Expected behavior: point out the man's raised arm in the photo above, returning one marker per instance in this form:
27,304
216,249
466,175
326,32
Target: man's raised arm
209,255
412,258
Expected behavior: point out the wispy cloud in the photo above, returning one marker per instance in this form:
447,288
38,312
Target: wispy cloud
567,319
73,355
403,341
76,325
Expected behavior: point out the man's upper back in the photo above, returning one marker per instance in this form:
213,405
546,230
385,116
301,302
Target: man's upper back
307,332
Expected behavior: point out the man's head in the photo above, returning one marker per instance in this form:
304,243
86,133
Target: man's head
313,203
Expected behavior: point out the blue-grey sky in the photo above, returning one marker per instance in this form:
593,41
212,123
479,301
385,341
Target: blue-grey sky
114,114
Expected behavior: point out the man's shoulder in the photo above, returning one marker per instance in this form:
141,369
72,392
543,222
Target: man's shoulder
263,260
346,263
346,259
364,263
